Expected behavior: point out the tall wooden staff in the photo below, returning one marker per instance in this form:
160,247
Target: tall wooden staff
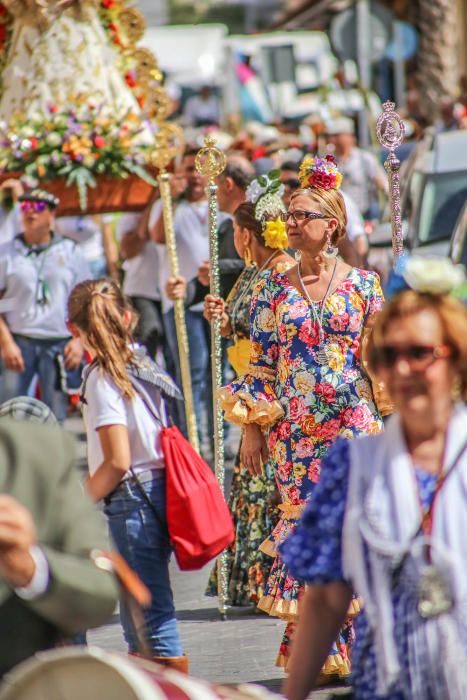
169,143
390,130
210,161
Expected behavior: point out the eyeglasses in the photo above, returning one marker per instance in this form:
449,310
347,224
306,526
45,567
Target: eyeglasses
33,206
300,216
418,357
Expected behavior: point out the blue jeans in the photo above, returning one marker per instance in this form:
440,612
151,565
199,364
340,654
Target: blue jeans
39,357
199,345
142,540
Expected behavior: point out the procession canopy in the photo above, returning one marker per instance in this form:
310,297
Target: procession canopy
77,94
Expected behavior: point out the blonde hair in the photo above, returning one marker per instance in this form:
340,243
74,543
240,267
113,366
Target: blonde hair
451,313
331,204
97,308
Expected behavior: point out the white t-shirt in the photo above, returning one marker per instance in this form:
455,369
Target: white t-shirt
197,108
84,230
10,224
355,223
192,238
24,273
106,406
142,271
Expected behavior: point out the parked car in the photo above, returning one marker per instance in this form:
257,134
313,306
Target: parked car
458,249
434,192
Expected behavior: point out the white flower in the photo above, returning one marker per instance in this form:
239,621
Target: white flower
435,275
27,132
254,192
54,139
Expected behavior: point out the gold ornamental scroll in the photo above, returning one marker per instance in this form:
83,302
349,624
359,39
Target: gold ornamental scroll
210,161
169,143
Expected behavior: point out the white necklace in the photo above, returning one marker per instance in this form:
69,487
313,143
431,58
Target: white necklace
321,356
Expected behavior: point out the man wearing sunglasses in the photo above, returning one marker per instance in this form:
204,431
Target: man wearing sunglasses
38,269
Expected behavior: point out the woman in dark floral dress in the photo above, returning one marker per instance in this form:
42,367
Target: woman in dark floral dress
252,498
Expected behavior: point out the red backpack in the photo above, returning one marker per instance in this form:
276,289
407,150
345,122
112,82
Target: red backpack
198,519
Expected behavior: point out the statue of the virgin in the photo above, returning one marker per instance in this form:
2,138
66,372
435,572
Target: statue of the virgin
60,55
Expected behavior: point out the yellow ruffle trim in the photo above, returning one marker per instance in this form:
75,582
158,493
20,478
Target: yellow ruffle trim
355,607
268,547
241,408
291,511
333,666
285,609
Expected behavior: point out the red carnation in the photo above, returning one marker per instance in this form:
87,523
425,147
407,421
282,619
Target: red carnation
99,142
2,33
322,180
53,109
34,143
107,4
330,158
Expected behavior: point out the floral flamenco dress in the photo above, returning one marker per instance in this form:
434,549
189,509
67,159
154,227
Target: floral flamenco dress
305,402
253,500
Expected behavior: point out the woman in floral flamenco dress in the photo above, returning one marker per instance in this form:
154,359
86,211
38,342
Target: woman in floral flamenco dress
59,55
260,238
305,385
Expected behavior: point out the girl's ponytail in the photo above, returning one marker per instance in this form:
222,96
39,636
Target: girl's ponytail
97,308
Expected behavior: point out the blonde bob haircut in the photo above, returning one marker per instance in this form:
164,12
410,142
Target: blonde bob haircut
331,205
453,318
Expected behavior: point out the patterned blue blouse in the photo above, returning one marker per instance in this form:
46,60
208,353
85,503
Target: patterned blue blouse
313,553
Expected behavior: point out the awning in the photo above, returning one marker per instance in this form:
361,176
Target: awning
308,12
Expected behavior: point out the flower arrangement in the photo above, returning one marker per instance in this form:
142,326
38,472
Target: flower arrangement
76,144
321,173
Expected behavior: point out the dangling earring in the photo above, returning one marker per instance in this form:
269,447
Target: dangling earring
330,251
247,256
298,255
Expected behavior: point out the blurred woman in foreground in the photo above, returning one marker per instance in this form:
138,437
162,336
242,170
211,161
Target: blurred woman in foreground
395,533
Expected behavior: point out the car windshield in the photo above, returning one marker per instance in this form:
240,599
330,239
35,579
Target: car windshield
443,197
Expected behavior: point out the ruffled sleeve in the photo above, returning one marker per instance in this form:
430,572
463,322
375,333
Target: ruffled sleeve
313,552
252,398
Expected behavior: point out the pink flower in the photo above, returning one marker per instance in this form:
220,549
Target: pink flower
308,332
327,391
283,430
328,430
304,448
339,323
314,471
297,408
355,322
284,471
294,495
359,417
298,309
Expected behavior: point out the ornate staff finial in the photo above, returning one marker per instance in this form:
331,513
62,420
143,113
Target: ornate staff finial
210,160
390,130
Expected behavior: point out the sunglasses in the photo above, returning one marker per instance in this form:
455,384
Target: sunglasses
300,216
418,357
33,206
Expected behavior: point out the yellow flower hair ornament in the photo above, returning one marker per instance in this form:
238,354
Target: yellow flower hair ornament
321,173
265,192
275,234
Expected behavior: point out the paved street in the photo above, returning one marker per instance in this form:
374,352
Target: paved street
241,649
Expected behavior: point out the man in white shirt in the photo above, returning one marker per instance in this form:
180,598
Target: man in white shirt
192,238
202,109
363,176
38,270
